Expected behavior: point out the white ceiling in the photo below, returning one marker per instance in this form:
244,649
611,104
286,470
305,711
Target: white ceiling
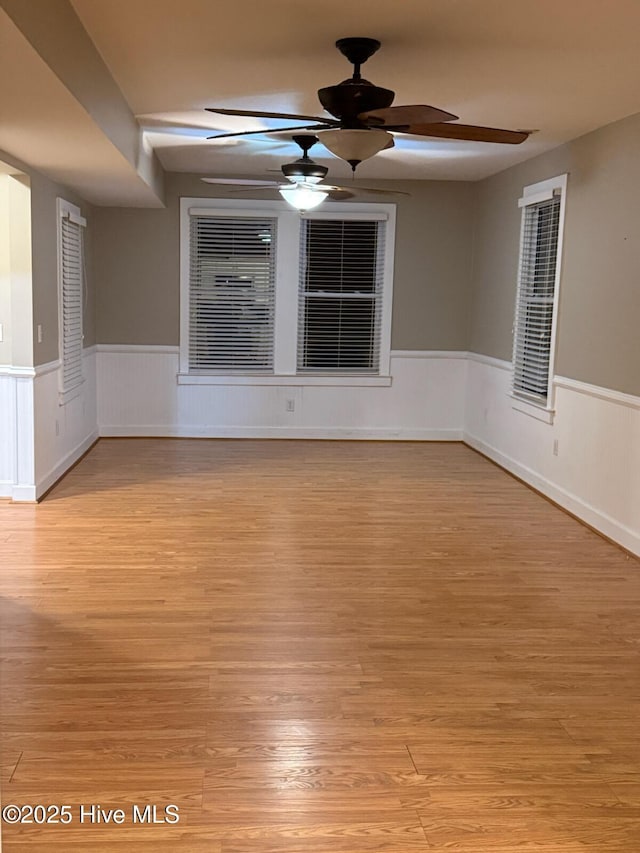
563,67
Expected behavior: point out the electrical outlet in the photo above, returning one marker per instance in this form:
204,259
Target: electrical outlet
39,333
555,446
291,406
57,427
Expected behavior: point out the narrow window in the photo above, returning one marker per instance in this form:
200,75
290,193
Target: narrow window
537,293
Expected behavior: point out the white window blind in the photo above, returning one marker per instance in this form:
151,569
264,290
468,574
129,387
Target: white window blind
535,298
71,295
231,293
340,298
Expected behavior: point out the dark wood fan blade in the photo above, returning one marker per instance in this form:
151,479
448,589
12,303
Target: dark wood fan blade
470,132
293,116
241,182
411,114
269,130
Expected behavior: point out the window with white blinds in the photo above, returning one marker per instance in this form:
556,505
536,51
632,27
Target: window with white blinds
340,296
537,293
71,295
266,293
231,294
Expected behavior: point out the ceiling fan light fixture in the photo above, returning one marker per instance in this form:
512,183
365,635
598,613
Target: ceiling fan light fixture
354,146
303,197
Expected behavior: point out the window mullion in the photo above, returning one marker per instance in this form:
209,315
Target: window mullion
286,318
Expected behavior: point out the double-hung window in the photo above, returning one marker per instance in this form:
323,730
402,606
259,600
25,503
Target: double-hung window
537,295
268,294
71,271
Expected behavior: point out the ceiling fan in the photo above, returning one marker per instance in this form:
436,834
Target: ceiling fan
364,120
304,189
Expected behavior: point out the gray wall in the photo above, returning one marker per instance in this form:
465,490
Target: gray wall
136,266
598,339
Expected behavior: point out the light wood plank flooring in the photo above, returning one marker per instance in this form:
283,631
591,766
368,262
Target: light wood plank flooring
317,647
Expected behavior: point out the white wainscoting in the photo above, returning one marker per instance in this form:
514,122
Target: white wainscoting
63,432
133,391
139,395
17,465
596,472
39,438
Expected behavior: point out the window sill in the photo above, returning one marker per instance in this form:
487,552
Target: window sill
65,397
270,379
539,412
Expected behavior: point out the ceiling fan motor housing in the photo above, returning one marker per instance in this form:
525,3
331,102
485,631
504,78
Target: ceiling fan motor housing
304,168
350,98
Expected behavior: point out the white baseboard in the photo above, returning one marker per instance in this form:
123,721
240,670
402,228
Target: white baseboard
595,518
6,489
183,431
23,493
64,464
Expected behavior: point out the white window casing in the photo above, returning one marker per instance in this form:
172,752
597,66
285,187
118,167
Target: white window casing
215,346
536,311
71,293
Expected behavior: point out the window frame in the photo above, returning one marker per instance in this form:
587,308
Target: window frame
288,247
531,195
67,210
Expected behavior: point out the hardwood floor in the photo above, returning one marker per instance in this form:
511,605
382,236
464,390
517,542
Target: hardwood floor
316,647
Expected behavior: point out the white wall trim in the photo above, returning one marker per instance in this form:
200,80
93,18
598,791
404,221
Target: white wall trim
198,431
21,372
23,494
59,470
490,360
432,353
138,348
395,353
49,367
598,391
607,525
